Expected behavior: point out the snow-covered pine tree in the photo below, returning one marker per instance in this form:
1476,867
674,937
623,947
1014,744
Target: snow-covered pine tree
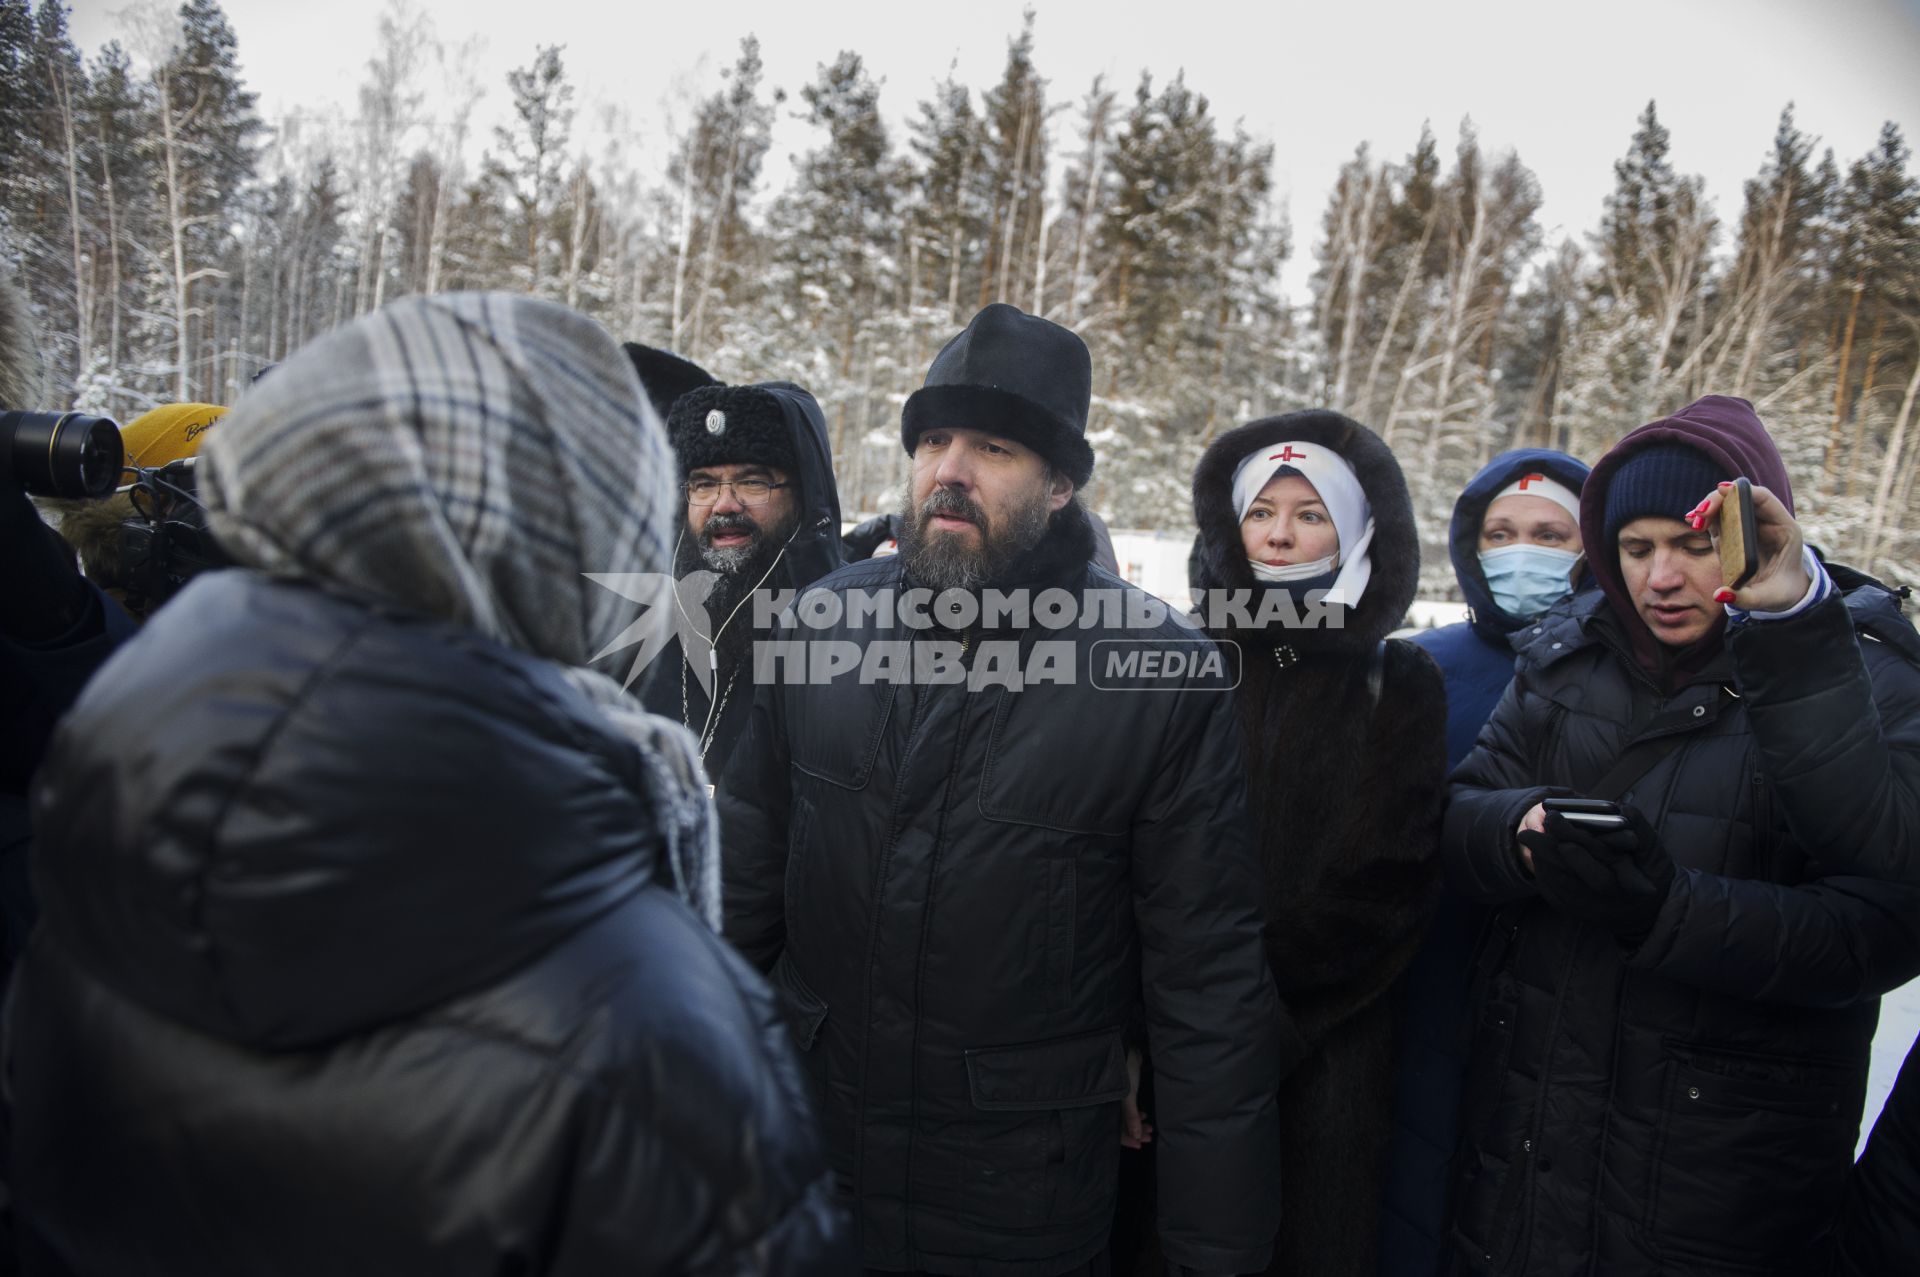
715,171
948,205
117,111
529,170
1654,250
1016,165
203,153
836,259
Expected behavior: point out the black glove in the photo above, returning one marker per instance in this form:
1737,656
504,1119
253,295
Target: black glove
1615,879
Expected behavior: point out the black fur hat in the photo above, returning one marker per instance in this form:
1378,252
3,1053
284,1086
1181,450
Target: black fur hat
1012,374
665,376
730,425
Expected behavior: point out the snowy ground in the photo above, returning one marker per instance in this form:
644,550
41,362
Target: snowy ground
1157,562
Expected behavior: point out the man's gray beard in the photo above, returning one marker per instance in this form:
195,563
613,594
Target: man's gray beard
946,561
739,569
732,560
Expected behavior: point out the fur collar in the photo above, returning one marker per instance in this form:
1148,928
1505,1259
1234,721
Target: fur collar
92,528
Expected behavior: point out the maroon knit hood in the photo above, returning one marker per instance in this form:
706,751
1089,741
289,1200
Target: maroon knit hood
1727,432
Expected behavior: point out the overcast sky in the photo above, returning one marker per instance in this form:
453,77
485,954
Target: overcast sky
1560,83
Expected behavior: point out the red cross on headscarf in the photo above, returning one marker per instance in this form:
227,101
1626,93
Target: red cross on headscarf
1531,478
1288,454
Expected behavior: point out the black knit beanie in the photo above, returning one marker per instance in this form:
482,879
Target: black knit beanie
1663,480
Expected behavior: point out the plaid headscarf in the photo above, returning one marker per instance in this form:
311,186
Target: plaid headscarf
472,456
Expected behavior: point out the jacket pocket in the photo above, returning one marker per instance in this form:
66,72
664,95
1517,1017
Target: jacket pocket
1044,1145
1020,783
806,1012
1064,1073
1752,1156
838,739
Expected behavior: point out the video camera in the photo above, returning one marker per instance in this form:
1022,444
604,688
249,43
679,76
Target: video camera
167,542
61,454
161,541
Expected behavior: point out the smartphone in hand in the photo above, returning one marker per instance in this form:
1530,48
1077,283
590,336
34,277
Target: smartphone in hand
1593,813
1739,546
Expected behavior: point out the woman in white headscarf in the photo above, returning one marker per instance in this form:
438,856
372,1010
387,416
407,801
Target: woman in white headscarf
379,928
1306,518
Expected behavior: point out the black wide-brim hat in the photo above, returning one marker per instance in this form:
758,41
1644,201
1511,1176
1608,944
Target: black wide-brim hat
1016,375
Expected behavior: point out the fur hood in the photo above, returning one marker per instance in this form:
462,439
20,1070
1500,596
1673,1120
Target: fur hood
1220,560
93,529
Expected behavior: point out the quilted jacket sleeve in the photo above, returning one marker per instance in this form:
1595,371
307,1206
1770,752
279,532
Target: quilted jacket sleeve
1213,1020
754,805
1487,797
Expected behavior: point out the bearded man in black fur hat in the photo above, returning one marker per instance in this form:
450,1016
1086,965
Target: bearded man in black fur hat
979,883
762,514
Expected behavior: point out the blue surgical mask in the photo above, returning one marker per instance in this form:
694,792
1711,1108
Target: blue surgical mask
1526,580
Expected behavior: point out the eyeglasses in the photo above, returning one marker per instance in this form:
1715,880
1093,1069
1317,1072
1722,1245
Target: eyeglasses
745,491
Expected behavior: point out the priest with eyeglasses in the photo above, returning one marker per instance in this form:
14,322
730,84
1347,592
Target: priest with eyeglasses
762,514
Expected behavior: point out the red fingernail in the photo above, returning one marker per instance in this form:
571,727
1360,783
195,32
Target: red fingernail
1726,485
1723,595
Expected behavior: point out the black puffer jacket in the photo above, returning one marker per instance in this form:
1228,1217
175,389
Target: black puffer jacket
1690,1106
356,958
964,891
1345,733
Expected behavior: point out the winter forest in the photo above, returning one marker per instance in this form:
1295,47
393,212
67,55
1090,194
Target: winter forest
175,242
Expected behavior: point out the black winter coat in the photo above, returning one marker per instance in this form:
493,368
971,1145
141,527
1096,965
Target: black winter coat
1345,732
965,893
1880,1232
1689,1106
356,958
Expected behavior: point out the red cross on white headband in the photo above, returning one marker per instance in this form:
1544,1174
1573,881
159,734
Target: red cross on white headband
1540,485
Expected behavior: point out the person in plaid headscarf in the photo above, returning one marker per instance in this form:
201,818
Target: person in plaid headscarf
380,928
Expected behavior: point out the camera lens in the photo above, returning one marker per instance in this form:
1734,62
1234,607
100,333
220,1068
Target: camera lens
61,454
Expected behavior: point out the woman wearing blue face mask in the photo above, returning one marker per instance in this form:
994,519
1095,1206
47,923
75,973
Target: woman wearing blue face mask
1529,542
1515,541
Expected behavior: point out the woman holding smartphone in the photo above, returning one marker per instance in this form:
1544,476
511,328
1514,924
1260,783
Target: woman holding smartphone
1681,984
